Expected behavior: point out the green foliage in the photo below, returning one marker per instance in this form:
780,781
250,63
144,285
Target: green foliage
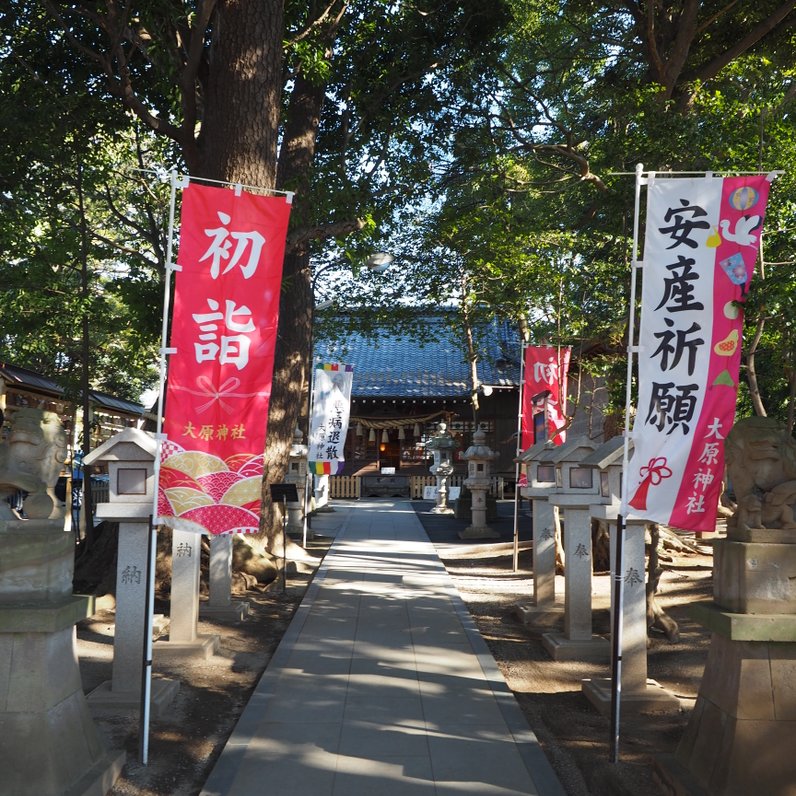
490,147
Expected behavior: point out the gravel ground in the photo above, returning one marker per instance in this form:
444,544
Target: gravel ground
185,744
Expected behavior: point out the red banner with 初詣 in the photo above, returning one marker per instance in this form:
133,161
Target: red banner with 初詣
224,323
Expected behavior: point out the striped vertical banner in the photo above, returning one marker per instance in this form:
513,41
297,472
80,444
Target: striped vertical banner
331,408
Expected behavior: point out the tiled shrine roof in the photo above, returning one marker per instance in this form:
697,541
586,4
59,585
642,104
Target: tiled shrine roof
429,364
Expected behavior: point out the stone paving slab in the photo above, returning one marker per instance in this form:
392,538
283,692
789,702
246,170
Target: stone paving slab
382,684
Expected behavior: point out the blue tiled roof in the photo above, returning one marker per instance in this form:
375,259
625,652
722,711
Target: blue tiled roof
428,365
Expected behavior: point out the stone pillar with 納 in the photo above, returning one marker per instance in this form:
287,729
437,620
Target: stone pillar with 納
741,735
130,459
576,489
479,457
541,480
639,694
184,640
50,744
219,604
442,446
297,474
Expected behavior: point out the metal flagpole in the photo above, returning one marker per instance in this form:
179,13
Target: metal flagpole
150,600
516,554
310,482
618,584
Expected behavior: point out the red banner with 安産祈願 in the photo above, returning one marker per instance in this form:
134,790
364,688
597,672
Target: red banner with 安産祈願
223,331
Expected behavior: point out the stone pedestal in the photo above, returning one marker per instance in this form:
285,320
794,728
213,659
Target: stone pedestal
184,639
741,736
50,745
577,642
638,694
220,604
123,690
544,611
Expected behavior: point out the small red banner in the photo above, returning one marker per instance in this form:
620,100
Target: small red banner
226,310
544,393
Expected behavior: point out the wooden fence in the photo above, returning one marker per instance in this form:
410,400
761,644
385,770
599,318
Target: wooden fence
350,486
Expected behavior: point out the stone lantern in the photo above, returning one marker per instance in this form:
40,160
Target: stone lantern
479,457
576,490
541,480
297,474
638,693
442,446
130,458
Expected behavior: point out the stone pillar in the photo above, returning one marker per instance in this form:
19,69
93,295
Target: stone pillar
184,639
544,610
577,642
123,691
544,555
443,471
638,694
220,603
130,459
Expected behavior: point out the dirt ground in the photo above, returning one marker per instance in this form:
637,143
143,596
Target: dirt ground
184,745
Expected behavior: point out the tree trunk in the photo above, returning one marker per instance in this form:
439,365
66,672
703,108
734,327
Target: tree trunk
240,127
294,340
657,618
751,371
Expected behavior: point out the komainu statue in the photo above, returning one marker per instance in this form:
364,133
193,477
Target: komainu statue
761,469
31,461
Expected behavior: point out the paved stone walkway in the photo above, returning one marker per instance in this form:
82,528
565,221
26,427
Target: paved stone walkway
381,684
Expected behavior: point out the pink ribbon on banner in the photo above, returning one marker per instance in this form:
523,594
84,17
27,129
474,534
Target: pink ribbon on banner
651,475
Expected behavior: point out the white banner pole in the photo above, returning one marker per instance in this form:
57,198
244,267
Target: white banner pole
516,554
618,585
153,537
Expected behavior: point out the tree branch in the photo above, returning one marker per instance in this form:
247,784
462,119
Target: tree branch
301,236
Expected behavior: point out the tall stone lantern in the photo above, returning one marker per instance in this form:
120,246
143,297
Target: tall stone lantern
130,458
639,693
442,445
576,490
479,457
297,474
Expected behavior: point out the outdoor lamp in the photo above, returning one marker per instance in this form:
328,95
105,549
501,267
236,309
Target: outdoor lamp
379,261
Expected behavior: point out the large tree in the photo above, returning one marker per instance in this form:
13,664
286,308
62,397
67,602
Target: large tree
338,101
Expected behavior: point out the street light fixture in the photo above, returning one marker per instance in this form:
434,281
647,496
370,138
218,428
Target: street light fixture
378,262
